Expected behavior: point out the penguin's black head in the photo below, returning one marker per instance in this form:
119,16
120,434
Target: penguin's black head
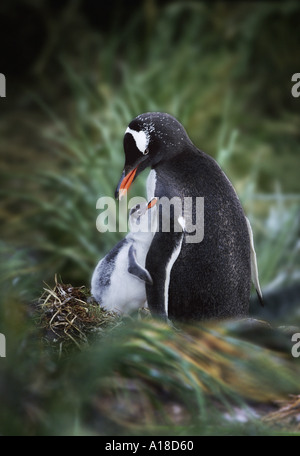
149,139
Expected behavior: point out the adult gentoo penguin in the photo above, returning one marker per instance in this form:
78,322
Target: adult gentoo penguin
191,281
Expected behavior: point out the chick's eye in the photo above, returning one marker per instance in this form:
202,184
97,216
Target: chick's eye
146,151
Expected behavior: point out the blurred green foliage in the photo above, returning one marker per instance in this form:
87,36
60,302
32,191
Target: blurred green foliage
211,66
224,70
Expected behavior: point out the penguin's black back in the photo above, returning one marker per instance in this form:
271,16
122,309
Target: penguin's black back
212,278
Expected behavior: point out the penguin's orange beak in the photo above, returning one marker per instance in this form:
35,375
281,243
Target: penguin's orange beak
124,183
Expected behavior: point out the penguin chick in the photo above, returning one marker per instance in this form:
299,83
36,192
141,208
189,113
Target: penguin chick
118,282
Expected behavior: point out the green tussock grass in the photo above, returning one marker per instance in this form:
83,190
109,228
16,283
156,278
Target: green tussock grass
71,368
131,377
81,135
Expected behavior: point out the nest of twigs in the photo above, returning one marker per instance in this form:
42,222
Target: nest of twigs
69,316
288,415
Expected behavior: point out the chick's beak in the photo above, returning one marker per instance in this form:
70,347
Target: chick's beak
124,183
152,203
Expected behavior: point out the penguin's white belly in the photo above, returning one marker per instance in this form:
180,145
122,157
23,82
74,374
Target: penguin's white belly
125,292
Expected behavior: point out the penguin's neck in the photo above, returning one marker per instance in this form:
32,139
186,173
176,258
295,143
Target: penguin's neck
151,184
144,232
141,237
173,152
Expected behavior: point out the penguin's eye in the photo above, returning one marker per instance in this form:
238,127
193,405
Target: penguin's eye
146,151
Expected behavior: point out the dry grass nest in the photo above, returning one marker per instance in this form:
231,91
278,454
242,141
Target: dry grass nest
69,316
288,415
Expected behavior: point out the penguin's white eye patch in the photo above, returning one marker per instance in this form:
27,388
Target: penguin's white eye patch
141,139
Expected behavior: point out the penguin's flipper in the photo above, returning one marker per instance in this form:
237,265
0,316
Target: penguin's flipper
254,270
136,269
